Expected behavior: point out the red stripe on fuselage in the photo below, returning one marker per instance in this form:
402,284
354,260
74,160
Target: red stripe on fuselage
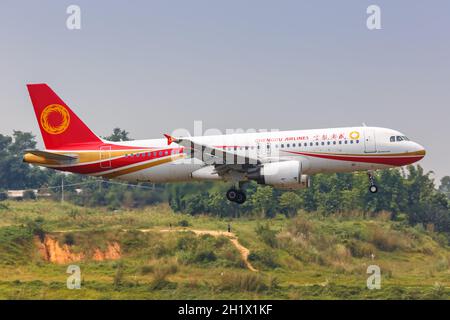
387,160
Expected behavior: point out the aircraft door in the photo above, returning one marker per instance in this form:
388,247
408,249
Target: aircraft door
105,157
370,144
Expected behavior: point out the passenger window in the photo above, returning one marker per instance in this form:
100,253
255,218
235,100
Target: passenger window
334,142
288,145
328,143
345,141
351,141
340,141
357,141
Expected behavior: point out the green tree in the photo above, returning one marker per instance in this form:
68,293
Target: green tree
262,200
290,202
219,205
118,135
445,186
14,173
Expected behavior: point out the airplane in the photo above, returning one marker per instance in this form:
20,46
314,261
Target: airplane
282,159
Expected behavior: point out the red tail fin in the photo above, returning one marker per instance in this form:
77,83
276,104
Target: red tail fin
60,126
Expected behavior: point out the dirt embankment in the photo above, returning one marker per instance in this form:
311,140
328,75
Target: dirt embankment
52,251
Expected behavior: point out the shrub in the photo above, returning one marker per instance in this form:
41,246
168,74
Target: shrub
133,239
386,240
274,283
187,241
442,264
146,270
267,235
183,223
265,257
118,277
205,256
73,213
300,226
3,196
29,195
36,228
69,239
438,291
250,282
341,253
360,249
160,275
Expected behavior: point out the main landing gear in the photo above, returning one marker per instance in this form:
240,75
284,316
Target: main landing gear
372,188
235,195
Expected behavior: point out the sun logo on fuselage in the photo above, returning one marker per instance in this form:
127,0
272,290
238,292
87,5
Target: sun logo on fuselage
55,119
354,135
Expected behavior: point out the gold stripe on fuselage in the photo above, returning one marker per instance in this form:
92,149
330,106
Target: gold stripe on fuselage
143,166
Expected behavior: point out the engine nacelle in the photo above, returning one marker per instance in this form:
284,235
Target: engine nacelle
282,175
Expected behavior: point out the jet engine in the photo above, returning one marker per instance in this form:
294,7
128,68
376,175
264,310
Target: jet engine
281,175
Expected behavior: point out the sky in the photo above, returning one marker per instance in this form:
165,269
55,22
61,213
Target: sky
154,66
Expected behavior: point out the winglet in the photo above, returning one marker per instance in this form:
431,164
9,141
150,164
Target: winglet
170,139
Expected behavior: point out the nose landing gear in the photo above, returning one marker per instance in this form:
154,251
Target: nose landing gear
372,188
237,196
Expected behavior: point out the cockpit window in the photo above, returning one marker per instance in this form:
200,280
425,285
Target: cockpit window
398,138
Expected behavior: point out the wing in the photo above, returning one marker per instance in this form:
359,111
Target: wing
223,160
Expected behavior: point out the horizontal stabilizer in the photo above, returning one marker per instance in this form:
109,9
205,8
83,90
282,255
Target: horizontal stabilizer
51,155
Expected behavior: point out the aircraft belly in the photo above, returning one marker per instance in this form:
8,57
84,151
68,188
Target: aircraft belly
167,172
318,165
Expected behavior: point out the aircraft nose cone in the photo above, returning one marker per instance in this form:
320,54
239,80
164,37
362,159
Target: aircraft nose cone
419,150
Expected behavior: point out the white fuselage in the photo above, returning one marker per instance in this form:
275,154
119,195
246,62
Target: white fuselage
320,150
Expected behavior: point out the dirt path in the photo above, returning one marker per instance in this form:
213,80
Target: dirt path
233,239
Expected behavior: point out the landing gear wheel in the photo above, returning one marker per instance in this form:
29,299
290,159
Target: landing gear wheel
237,196
232,195
372,188
241,197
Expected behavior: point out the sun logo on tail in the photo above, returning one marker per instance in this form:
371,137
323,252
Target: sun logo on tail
55,119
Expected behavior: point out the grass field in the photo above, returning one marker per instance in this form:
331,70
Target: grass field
306,257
